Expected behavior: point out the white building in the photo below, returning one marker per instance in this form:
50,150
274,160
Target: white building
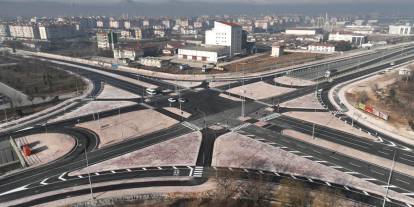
402,30
127,53
277,50
352,38
114,24
52,32
301,32
153,62
321,48
24,31
226,34
106,40
262,24
210,54
4,30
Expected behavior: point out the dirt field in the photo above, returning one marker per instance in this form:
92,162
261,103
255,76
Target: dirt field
44,80
239,151
182,150
133,124
266,62
46,147
259,90
388,93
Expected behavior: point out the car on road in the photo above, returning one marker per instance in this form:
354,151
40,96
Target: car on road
330,73
152,91
182,100
172,100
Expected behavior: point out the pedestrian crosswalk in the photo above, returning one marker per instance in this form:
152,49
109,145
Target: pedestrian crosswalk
270,117
198,171
237,128
337,112
191,126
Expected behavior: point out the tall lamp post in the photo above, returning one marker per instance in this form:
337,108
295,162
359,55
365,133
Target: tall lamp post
389,179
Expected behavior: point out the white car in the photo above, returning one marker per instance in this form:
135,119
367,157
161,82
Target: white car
172,100
182,100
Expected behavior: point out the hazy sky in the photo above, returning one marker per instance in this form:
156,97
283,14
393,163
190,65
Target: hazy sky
10,8
223,1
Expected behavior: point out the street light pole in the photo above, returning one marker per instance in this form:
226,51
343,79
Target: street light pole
89,175
5,114
389,179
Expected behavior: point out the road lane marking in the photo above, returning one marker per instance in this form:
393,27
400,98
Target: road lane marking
353,164
159,168
174,167
129,170
366,193
310,180
191,171
113,171
97,173
352,173
336,167
408,194
144,168
321,161
294,177
14,190
44,182
402,181
80,176
346,187
277,174
245,170
61,176
327,183
307,156
369,179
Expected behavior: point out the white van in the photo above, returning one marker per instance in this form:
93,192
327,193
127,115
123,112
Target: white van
152,91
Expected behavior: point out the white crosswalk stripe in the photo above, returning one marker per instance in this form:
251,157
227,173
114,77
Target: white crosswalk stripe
191,126
198,171
270,117
237,128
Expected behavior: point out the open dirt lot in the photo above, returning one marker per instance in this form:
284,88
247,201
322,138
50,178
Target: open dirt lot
44,81
110,92
182,150
305,102
259,90
386,93
239,151
94,107
328,120
266,62
293,81
133,124
46,147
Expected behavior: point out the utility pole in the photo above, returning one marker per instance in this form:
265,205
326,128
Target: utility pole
5,114
89,174
389,179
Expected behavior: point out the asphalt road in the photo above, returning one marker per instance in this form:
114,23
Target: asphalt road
356,167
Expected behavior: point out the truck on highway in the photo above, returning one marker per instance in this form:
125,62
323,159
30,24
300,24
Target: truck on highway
330,73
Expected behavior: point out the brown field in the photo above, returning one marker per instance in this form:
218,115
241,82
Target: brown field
38,79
